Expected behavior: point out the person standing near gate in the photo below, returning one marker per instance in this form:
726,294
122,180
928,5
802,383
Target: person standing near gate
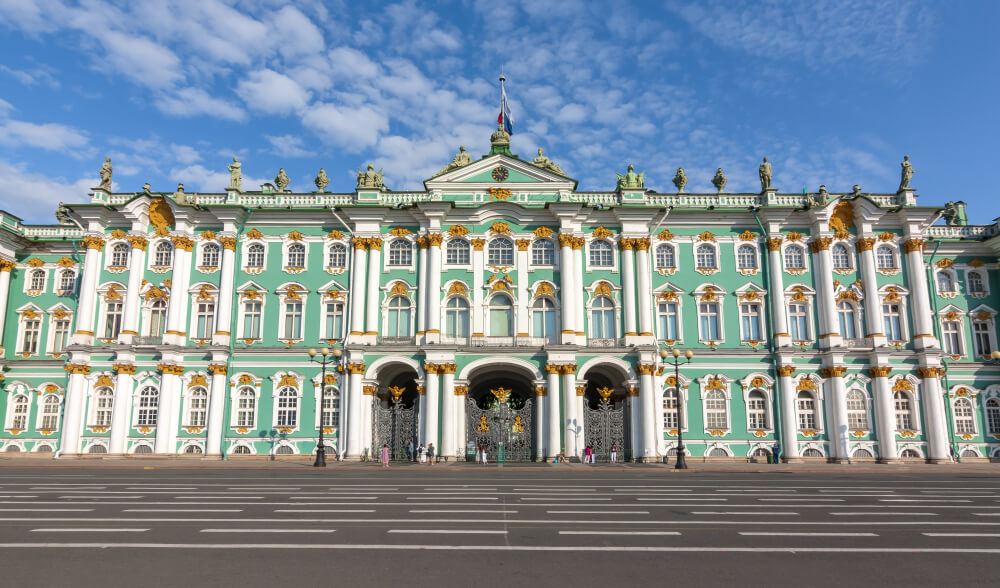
614,452
481,453
409,450
385,455
430,454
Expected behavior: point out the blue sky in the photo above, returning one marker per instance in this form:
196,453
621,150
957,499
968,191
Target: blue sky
833,92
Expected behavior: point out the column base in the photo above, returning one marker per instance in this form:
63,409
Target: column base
839,460
939,460
792,460
889,461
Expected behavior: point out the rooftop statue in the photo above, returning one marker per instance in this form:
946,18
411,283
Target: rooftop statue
321,181
906,173
147,188
764,171
500,136
461,159
281,180
235,175
719,181
105,175
955,215
62,214
370,179
544,162
680,179
631,180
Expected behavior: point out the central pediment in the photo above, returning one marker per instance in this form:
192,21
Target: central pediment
500,171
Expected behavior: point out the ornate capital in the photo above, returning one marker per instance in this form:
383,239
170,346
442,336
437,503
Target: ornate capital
566,239
836,371
435,239
820,244
879,371
581,389
552,368
478,244
217,369
6,265
523,244
138,242
911,245
567,369
421,390
461,390
422,241
447,368
774,243
356,368
93,242
578,243
641,244
865,244
786,371
540,390
369,390
646,369
626,243
359,242
182,242
124,368
79,369
431,368
228,243
170,369
632,390
927,373
375,243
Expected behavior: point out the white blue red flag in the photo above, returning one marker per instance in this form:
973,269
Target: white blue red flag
505,120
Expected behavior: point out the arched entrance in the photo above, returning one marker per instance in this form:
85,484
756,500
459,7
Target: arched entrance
500,414
395,412
606,414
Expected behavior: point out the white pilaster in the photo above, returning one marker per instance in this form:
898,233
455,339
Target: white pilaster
789,426
567,289
216,409
180,301
354,424
224,320
121,409
938,449
645,292
838,431
553,443
84,334
358,299
626,246
647,398
434,295
6,266
635,422
885,415
76,394
168,410
431,398
478,268
574,424
448,421
136,268
368,396
523,289
829,324
873,306
917,277
540,401
779,316
372,297
423,293
581,332
460,392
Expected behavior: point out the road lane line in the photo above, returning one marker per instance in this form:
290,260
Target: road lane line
678,498
46,510
267,530
776,534
739,512
619,532
100,497
498,521
801,499
182,510
453,498
321,510
961,534
597,512
89,530
919,500
448,531
487,511
887,514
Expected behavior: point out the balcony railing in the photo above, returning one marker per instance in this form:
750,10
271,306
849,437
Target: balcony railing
521,341
147,340
859,343
382,340
612,342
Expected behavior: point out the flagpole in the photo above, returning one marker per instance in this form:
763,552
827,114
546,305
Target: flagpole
502,79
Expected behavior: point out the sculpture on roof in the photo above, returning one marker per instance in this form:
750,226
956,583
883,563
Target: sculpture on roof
321,181
461,159
954,214
719,181
105,175
544,162
371,179
680,179
281,180
235,175
906,173
631,180
764,171
62,214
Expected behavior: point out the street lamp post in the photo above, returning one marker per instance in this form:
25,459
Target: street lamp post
681,463
323,357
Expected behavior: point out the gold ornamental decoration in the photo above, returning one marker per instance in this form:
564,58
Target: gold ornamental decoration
603,289
820,244
254,234
786,371
518,425
458,230
457,289
552,368
926,373
806,384
369,390
103,380
483,426
397,392
356,368
665,235
543,232
478,244
945,263
118,234
217,369
6,265
399,288
501,394
911,245
540,390
902,385
182,242
879,371
500,228
461,390
294,292
602,233
93,242
295,236
523,244
170,369
580,389
208,235
715,383
842,218
886,236
198,380
544,289
500,194
34,262
757,382
288,380
794,236
160,215
865,244
399,232
66,262
707,236
748,236
435,239
335,235
646,369
246,380
567,369
774,243
138,242
837,371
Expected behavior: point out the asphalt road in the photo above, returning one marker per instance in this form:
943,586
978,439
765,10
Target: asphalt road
472,526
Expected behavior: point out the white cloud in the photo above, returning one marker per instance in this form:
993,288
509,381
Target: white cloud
289,146
353,128
30,78
5,108
189,102
19,186
185,154
270,92
198,178
144,61
571,114
295,34
347,64
48,136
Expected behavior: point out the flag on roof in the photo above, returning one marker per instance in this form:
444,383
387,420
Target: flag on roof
505,120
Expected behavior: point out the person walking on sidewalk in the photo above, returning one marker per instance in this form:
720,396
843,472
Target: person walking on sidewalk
588,454
614,452
409,450
385,455
430,454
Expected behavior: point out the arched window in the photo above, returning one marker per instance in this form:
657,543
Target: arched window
965,420
807,411
795,258
210,253
909,454
204,318
993,415
705,257
331,407
149,400
543,320
862,453
157,317
399,317
336,256
811,452
951,335
457,252
746,257
119,255
756,410
602,319
18,411
500,252
666,256
456,318
857,411
976,283
945,282
246,408
501,316
841,257
255,256
400,252
848,320
197,413
287,414
67,281
296,256
601,253
717,452
798,321
36,280
904,411
671,414
668,320
716,416
709,327
333,324
104,400
892,317
163,255
543,252
113,318
885,258
193,450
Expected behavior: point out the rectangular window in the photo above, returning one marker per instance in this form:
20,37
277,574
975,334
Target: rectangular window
60,335
32,331
334,322
113,320
951,333
798,321
893,322
981,338
667,318
204,320
293,320
708,321
750,324
251,319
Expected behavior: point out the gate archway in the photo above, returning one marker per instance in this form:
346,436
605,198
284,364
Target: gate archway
607,414
500,414
395,411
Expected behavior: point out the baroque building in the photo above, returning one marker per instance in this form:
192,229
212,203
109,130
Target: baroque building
501,307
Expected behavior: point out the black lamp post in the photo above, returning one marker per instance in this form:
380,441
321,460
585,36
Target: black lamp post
325,358
676,362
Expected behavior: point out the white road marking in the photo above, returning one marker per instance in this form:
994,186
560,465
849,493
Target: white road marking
162,488
919,500
454,498
500,521
267,530
802,499
465,511
46,509
619,532
737,512
678,498
887,514
341,497
80,530
766,534
100,497
18,496
321,510
597,512
961,534
182,510
449,531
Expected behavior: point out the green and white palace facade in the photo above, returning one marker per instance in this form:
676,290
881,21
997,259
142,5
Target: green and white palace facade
501,307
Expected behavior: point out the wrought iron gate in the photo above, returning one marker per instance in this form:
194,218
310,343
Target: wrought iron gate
394,425
503,424
604,428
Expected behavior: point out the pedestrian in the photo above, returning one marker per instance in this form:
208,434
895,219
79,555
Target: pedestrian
776,453
587,454
481,450
430,454
385,455
421,453
614,452
409,450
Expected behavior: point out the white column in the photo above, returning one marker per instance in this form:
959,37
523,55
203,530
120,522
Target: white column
921,310
478,268
354,424
839,433
645,291
224,320
934,414
432,394
448,422
87,302
434,295
779,317
578,324
523,289
567,289
422,298
358,297
789,425
166,421
829,324
136,268
460,393
540,421
885,414
216,409
121,408
873,306
628,285
372,297
553,443
368,395
76,394
647,398
177,311
6,266
574,426
635,422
